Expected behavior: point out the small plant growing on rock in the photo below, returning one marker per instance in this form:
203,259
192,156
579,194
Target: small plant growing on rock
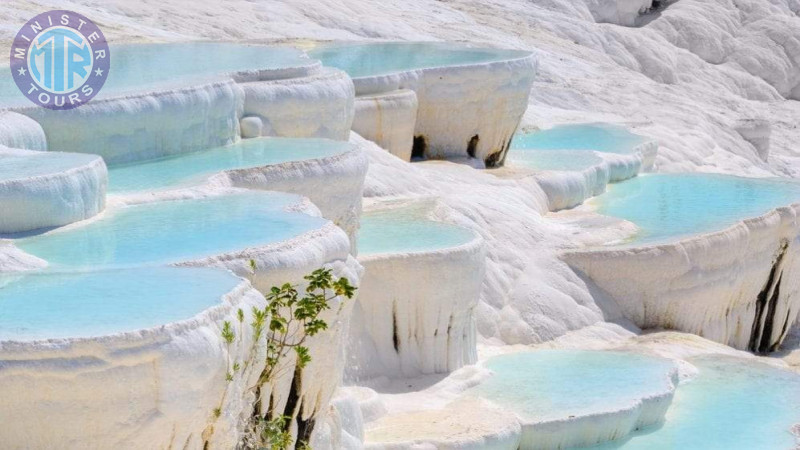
289,318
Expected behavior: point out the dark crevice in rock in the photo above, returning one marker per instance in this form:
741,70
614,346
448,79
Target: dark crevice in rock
784,331
494,159
766,307
293,409
395,337
472,145
766,333
419,148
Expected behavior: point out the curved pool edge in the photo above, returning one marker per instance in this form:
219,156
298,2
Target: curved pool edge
738,286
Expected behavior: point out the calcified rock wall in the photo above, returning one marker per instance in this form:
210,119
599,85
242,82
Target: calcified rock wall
740,286
52,198
19,131
319,104
389,120
471,110
415,313
145,126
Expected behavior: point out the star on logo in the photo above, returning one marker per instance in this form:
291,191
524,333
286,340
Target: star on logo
99,72
21,71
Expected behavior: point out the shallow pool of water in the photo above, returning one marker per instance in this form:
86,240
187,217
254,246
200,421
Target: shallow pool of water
732,404
45,305
173,231
557,160
666,206
547,385
31,164
604,138
193,168
370,59
405,230
138,67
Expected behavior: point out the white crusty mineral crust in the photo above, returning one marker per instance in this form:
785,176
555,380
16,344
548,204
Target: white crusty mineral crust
715,285
469,110
388,119
319,104
251,126
415,313
147,125
52,198
20,131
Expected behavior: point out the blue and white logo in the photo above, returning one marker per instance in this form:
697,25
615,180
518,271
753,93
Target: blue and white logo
60,59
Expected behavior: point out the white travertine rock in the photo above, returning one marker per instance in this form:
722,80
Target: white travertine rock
471,110
415,313
19,131
147,125
756,132
388,119
56,189
619,12
739,286
319,104
251,126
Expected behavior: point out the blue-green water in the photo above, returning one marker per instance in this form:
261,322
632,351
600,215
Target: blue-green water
173,231
666,206
137,67
566,160
604,138
363,60
15,167
193,168
44,305
731,405
570,147
406,230
555,384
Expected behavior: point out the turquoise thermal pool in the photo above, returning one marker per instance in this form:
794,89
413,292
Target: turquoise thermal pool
602,138
138,67
406,230
731,404
371,59
547,385
49,305
570,147
557,160
193,168
672,205
173,231
32,164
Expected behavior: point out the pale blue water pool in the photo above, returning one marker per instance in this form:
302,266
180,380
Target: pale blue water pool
31,164
731,405
173,231
547,385
557,160
380,58
667,206
46,305
604,138
406,230
193,168
136,67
